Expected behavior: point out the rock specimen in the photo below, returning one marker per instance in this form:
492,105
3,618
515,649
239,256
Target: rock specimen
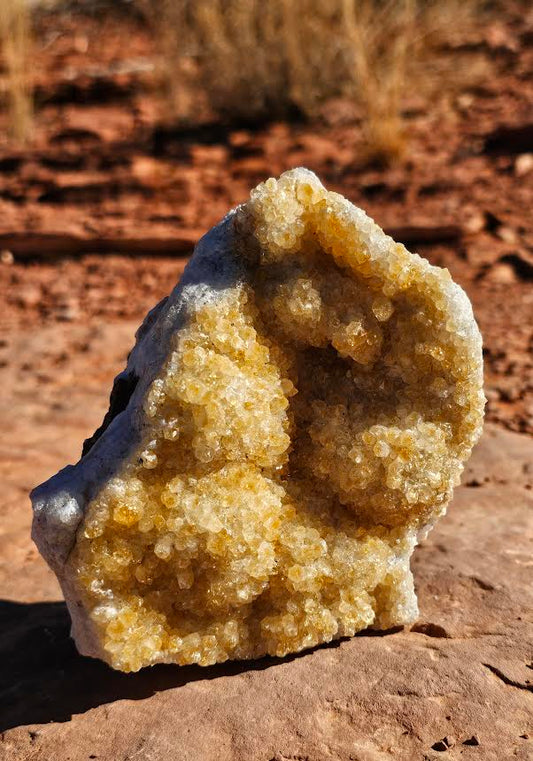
291,420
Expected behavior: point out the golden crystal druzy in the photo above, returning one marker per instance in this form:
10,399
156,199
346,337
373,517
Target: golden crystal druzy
305,428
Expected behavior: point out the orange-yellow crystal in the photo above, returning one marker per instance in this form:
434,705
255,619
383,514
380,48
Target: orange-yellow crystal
303,431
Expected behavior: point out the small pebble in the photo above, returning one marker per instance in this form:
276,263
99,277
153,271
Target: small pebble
523,164
6,257
444,744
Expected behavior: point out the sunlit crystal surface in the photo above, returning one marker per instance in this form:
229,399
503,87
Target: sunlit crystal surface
303,431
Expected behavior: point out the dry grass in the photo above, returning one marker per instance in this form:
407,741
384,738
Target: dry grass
380,39
15,42
251,59
248,60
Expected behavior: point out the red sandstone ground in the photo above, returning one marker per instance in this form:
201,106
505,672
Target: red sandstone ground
96,219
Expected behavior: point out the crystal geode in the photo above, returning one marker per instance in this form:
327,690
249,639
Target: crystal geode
292,419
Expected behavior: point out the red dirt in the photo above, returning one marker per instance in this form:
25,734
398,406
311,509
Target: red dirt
97,209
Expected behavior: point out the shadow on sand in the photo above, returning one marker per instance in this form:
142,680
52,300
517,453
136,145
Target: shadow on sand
44,678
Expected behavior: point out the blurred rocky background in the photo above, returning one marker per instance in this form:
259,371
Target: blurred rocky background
126,130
